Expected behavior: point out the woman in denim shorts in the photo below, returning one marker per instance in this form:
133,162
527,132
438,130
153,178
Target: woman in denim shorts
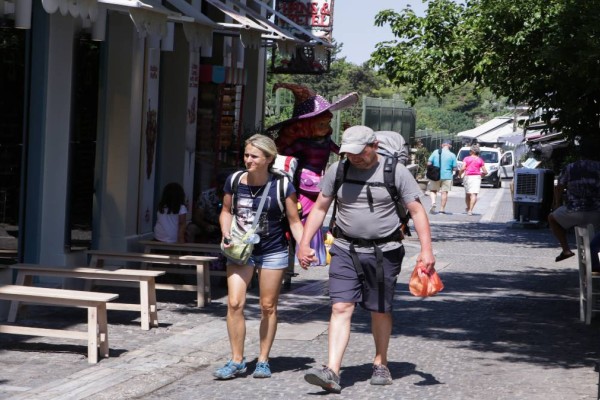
269,256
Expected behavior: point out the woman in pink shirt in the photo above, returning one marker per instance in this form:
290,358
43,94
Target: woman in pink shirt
473,169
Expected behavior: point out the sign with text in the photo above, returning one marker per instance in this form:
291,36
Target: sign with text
315,16
149,134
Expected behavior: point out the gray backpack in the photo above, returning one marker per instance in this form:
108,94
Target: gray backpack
392,144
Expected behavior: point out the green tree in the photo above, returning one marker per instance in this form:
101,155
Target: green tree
543,53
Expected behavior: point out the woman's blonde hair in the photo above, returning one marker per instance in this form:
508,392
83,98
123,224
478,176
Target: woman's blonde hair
264,144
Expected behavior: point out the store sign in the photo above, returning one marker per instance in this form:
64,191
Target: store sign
149,134
315,16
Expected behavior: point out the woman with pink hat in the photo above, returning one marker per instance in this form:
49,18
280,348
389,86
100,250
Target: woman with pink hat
307,137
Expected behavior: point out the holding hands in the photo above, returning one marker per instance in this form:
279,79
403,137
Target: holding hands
306,256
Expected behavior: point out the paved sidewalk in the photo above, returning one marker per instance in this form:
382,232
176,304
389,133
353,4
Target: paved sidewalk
505,327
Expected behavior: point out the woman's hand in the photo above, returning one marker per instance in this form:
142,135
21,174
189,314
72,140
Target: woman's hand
306,256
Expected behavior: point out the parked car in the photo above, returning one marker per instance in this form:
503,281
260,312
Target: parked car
497,163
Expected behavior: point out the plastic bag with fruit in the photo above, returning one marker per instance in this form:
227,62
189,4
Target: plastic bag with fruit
423,283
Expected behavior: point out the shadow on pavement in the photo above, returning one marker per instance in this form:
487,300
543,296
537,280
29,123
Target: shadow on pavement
493,232
354,374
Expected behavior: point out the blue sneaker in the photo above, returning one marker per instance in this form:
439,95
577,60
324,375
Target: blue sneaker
230,370
262,370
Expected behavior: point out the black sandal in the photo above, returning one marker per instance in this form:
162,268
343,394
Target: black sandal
563,256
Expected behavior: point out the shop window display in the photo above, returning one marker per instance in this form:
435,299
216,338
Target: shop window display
218,153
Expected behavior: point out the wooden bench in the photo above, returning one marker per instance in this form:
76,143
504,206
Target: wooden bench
145,279
203,248
97,332
589,281
202,288
151,246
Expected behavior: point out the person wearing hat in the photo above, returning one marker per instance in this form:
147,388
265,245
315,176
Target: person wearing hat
446,161
367,252
307,137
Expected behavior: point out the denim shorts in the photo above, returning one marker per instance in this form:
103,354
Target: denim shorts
277,260
346,287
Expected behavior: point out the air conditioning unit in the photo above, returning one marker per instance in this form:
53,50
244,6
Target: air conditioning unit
533,194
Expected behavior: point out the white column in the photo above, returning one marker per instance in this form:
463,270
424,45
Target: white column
56,139
119,147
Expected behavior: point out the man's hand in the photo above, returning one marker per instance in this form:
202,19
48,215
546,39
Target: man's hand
427,260
421,223
306,256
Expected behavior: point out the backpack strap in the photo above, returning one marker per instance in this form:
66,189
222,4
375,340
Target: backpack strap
235,183
281,188
389,179
340,176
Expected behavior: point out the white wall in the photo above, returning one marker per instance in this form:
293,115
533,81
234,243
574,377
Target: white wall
56,140
173,160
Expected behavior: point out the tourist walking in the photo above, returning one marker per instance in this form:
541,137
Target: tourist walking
269,255
445,160
367,253
472,170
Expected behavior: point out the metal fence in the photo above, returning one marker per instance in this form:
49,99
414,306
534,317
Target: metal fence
433,140
390,115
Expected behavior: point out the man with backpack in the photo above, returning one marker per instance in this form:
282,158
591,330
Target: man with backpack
445,160
367,252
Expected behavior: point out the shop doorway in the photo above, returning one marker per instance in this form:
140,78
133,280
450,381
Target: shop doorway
83,144
12,105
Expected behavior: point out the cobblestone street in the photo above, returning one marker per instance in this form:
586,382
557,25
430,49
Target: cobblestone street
506,326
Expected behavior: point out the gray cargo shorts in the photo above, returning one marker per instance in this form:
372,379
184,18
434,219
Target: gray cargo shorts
346,287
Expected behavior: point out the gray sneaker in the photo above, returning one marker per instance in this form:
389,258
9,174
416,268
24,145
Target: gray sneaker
381,375
325,378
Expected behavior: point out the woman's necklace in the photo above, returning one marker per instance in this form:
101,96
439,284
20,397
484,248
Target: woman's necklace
255,193
259,187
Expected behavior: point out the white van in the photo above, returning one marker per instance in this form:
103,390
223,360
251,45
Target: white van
498,164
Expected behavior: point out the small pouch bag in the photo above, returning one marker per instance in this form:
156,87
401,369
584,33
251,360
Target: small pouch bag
238,251
242,243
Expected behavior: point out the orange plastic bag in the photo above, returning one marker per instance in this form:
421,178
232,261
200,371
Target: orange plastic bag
423,284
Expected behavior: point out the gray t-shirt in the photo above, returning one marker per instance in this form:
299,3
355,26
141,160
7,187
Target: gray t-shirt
355,217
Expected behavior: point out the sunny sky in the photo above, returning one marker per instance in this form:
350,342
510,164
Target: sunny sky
353,25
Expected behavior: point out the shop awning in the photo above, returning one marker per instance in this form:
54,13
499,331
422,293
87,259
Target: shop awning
199,33
486,127
148,16
189,10
495,135
250,19
147,5
275,32
243,22
312,39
